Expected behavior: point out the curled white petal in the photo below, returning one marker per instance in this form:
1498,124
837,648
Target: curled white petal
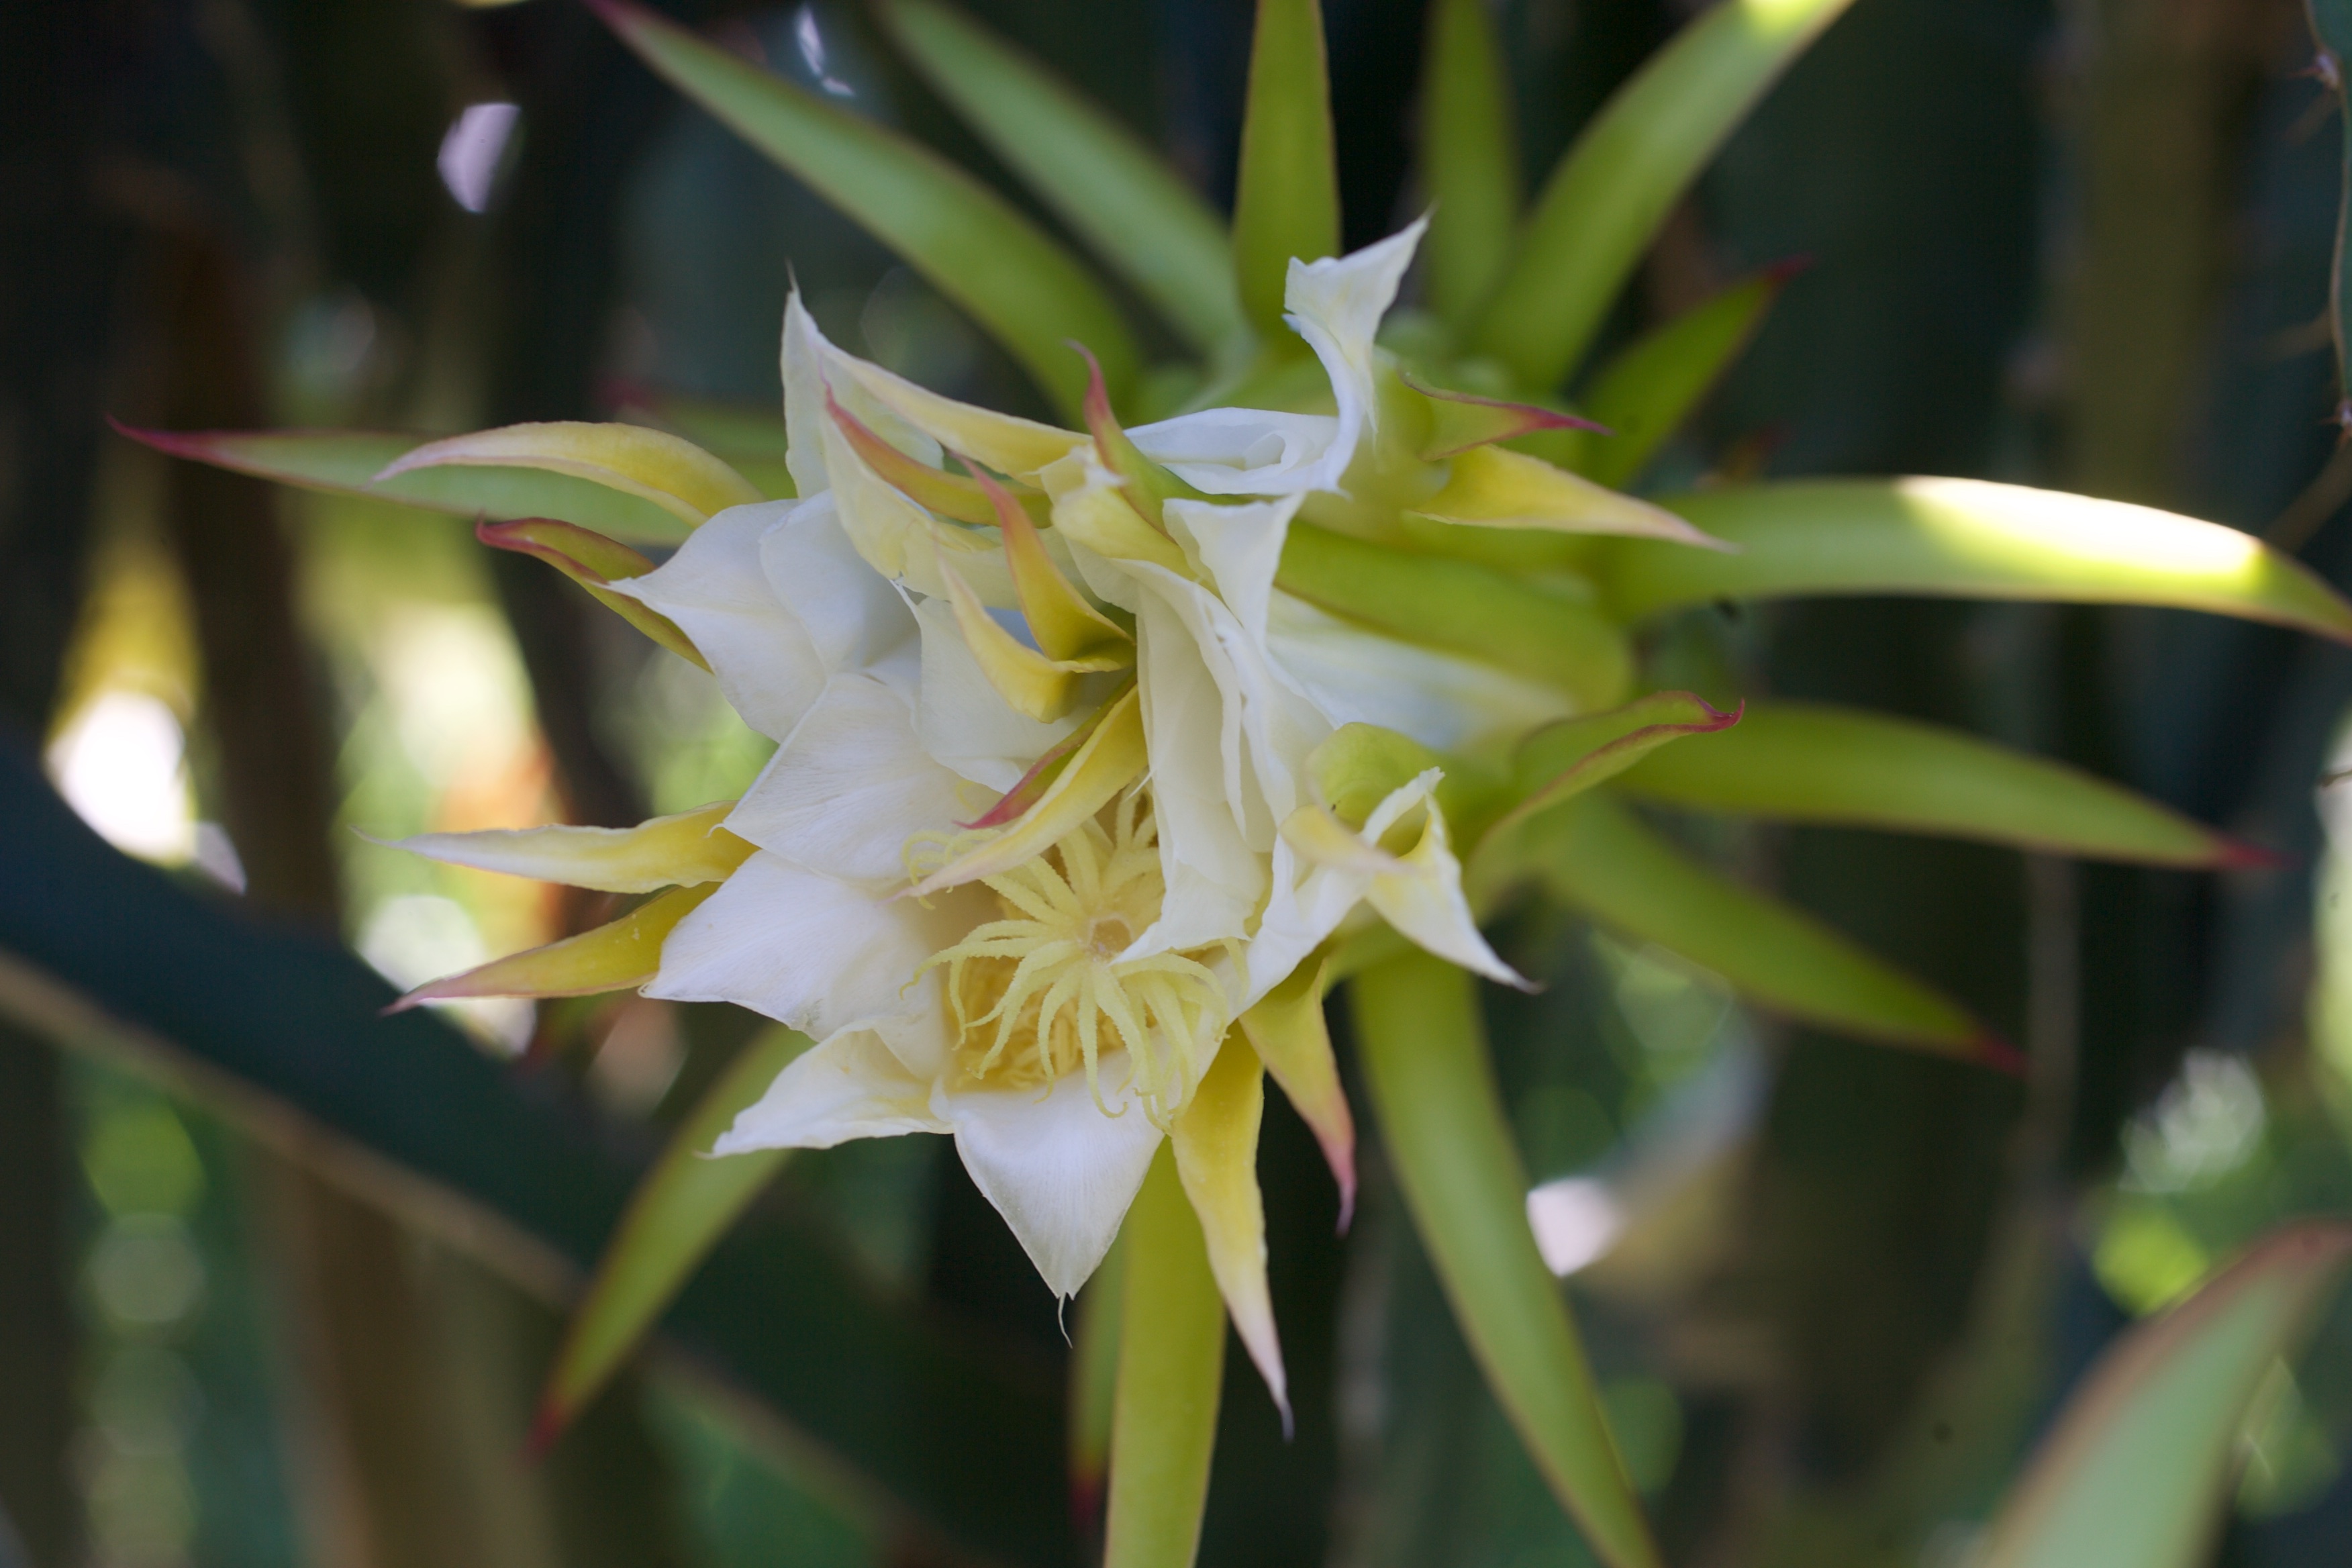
847,1087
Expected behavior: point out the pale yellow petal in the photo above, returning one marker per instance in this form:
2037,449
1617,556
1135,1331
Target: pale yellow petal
1041,688
1112,758
1215,1140
1492,487
625,953
671,472
1005,443
1287,1029
681,852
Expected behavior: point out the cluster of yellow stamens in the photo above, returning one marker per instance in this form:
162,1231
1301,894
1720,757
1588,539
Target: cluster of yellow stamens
1030,992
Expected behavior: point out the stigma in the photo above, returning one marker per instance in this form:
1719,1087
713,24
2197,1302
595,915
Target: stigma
1041,991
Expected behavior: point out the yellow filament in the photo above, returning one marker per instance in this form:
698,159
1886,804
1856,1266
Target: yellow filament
1032,991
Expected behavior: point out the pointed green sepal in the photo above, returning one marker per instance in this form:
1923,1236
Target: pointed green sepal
1470,159
1458,421
1607,194
685,1202
1286,199
1796,762
1645,393
1112,189
1461,606
2137,1469
1449,1139
1148,486
1964,539
970,244
1595,855
1560,762
591,561
346,462
1170,1366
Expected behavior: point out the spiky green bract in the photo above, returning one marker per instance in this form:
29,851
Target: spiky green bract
685,1202
2137,1470
1286,198
1114,191
1643,394
1450,1142
968,242
1594,855
1611,191
1469,159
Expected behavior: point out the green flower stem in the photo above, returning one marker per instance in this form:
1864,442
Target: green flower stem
1170,1368
1424,1055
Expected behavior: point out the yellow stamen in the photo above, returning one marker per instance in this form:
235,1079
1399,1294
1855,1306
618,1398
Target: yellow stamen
1033,991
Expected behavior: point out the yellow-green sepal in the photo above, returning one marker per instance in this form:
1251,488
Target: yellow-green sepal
1594,856
1462,606
1450,1142
618,955
668,470
1963,539
681,1208
1797,762
348,462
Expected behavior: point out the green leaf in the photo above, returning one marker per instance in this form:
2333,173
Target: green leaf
1802,762
685,1202
1614,186
1462,606
1286,202
1963,539
2135,1472
1470,159
1595,855
1645,393
347,461
1101,179
1170,1367
1425,1059
968,242
1560,762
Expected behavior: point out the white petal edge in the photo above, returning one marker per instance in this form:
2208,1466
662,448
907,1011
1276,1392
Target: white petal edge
849,1087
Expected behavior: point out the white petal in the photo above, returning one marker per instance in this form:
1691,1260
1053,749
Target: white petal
1238,549
1307,904
852,616
1060,1172
813,952
804,414
1336,304
964,720
848,1087
714,589
1356,676
849,786
1246,451
1427,905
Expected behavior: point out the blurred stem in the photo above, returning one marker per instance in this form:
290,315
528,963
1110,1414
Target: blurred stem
37,1414
2165,85
1170,1372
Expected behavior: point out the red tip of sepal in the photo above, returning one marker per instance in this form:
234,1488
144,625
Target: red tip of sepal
1989,1049
2239,855
1781,273
194,444
1101,423
546,1426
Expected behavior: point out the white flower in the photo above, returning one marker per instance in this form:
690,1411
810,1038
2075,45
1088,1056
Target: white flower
1125,707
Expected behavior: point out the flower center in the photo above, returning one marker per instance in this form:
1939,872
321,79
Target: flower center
1042,990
